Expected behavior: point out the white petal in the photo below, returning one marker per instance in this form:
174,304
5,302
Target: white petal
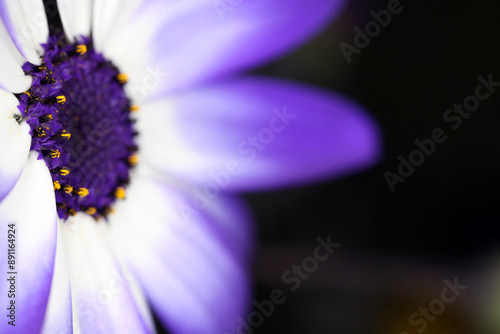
15,142
31,206
102,301
109,17
76,16
12,77
26,23
58,317
132,23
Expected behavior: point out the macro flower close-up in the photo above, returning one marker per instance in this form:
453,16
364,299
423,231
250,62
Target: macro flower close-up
127,129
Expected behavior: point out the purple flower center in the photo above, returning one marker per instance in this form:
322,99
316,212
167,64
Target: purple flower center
80,119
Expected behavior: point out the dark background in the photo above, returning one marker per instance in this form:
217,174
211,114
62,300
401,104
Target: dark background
441,223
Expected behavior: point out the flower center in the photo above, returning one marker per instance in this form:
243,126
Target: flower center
81,125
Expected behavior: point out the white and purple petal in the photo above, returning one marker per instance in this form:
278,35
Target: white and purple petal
254,133
101,295
177,44
31,207
26,23
192,268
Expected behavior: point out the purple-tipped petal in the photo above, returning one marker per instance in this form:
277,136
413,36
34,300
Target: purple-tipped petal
255,133
102,299
31,206
26,24
15,142
192,268
198,40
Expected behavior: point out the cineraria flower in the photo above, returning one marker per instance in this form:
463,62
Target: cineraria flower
124,134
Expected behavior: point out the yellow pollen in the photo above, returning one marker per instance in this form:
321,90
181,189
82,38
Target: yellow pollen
134,108
133,160
27,93
57,185
61,99
68,189
81,49
55,154
120,193
72,212
122,78
82,192
91,211
64,171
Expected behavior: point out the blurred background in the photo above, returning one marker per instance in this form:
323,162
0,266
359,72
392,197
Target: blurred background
397,248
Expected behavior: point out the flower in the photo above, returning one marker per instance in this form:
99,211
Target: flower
124,133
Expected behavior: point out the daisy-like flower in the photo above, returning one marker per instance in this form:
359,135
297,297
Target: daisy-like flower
123,135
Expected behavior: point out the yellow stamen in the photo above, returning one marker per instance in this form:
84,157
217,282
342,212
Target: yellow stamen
55,154
82,192
122,78
65,134
40,133
64,171
68,189
134,108
57,185
81,49
133,160
91,211
72,212
61,99
120,193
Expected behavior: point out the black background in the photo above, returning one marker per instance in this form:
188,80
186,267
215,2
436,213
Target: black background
441,223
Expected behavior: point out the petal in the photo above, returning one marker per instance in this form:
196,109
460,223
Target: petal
101,295
31,206
195,41
76,17
12,77
26,23
253,133
193,272
15,142
58,317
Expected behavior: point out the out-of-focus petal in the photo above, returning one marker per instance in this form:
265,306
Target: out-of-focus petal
26,23
168,45
59,315
76,16
193,271
15,142
100,291
255,133
31,207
